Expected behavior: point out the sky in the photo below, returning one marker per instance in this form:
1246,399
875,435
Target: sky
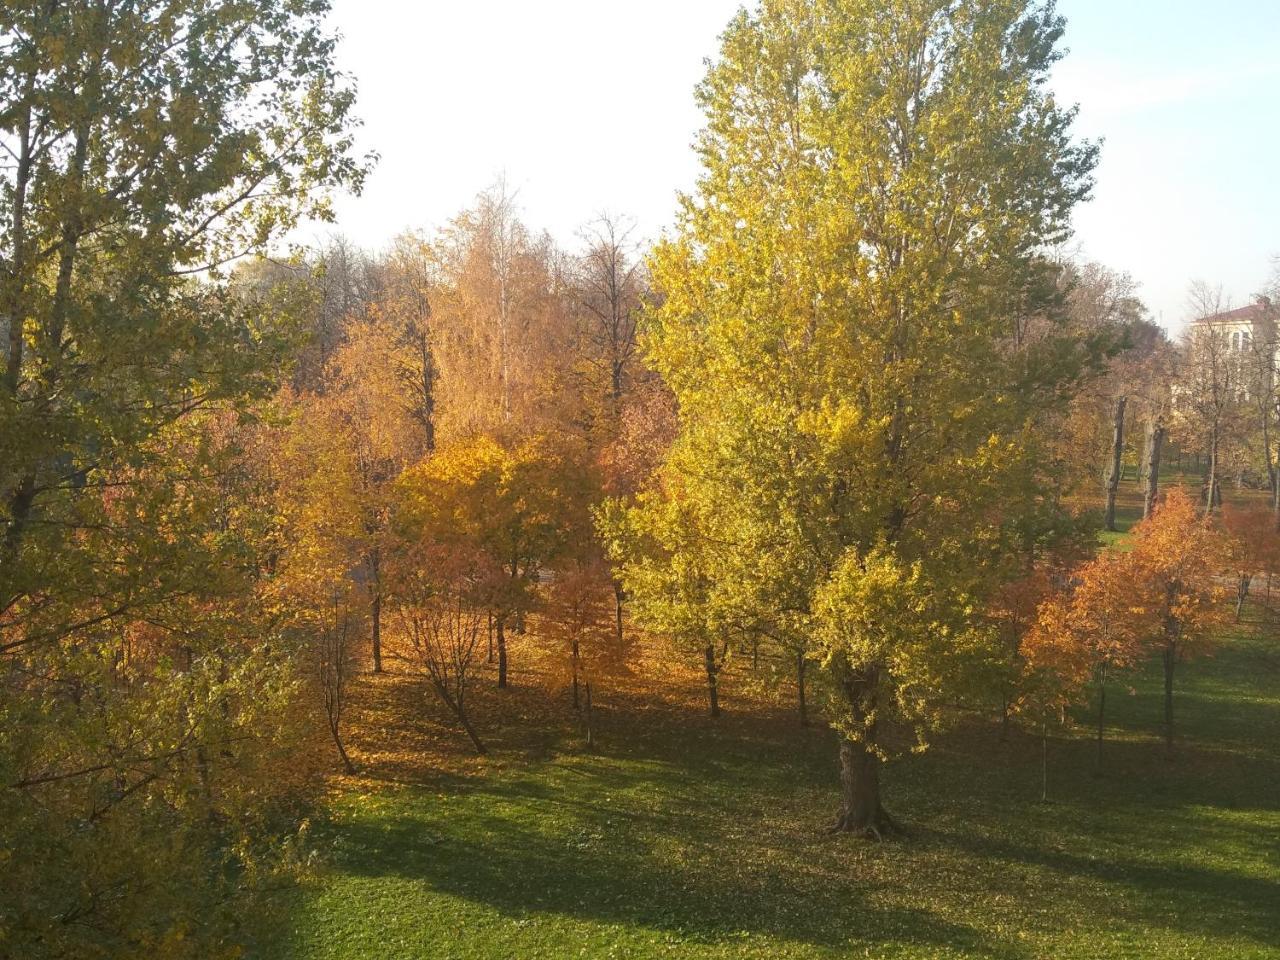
586,107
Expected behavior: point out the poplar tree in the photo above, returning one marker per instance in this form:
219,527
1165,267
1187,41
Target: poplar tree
859,439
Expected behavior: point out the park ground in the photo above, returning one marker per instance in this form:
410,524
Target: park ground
687,837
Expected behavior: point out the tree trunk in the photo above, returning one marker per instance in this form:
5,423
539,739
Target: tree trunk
502,652
1242,594
574,657
1275,496
709,657
1170,660
1102,711
347,765
591,719
1044,762
458,708
1155,444
861,812
376,617
1117,455
1211,486
619,602
800,693
471,732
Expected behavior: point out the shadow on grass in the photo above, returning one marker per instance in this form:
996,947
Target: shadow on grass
710,829
605,873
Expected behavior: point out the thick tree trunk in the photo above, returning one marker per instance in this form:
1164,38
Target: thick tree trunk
709,658
1155,445
1212,493
502,652
861,812
1170,661
1117,458
1242,594
800,692
1275,499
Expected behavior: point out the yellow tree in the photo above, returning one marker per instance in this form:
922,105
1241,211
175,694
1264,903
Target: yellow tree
323,541
521,506
838,310
369,411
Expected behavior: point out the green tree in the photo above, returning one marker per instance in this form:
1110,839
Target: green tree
147,144
859,431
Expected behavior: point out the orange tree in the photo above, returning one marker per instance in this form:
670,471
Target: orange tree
1100,622
1175,558
1250,547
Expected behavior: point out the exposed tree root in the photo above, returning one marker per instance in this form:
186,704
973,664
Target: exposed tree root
879,827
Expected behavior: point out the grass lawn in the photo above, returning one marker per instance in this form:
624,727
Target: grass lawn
684,837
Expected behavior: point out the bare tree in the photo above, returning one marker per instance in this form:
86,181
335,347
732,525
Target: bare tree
334,649
1210,387
609,289
440,600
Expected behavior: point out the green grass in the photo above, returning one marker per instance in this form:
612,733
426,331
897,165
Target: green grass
688,838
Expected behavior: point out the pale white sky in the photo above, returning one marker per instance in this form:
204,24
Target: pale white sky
586,105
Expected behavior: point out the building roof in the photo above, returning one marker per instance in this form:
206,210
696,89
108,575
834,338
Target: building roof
1260,309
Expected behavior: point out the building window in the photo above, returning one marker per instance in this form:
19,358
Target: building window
1235,342
1245,341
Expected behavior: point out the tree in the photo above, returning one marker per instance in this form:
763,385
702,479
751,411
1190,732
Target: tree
518,506
1250,547
501,332
1117,462
1177,556
1102,618
405,307
609,290
577,618
338,630
857,429
143,673
441,594
1054,667
1211,387
368,407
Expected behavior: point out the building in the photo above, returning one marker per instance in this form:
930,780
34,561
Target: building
1245,330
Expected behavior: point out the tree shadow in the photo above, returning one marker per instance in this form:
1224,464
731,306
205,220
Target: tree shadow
603,871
